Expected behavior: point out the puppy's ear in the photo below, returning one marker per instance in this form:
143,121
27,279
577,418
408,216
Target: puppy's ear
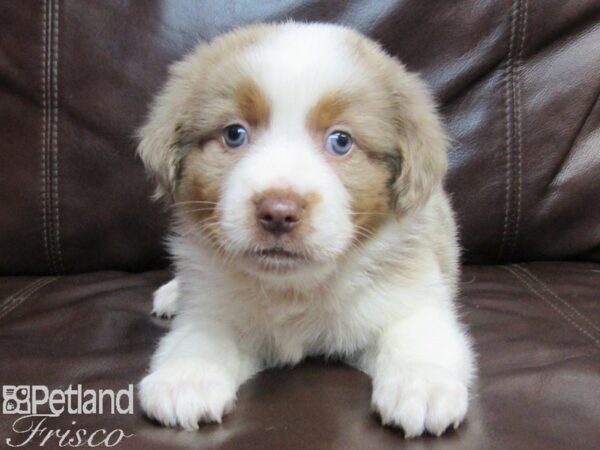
158,138
421,142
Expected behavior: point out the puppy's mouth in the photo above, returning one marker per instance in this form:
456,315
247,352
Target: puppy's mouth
278,252
277,258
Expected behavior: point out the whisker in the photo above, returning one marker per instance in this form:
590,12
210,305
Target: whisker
207,221
202,225
362,227
364,232
374,213
199,210
363,235
193,202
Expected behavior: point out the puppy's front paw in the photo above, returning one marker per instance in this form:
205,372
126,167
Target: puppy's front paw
426,398
164,303
185,395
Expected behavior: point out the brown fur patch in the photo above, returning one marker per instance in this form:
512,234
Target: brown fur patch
198,99
420,138
206,92
370,171
368,181
251,102
327,112
199,188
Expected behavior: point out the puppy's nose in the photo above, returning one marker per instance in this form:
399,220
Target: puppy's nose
278,215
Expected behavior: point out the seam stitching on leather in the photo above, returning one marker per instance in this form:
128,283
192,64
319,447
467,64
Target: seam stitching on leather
22,292
55,171
18,292
508,114
48,143
517,117
573,142
551,304
546,288
45,232
26,293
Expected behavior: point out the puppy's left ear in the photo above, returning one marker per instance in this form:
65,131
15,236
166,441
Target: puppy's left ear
422,142
158,137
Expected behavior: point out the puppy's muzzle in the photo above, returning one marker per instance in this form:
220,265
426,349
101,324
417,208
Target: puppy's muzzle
279,214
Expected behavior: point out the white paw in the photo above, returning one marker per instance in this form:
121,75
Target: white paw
427,398
186,394
165,299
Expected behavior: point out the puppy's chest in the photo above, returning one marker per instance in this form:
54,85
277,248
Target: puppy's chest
288,331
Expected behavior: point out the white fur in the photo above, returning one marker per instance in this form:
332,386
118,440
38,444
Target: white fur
276,163
293,77
400,329
297,65
387,307
165,299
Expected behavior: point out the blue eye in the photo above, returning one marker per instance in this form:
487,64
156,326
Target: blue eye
339,143
235,136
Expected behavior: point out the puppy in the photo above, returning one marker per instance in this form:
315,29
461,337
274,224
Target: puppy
304,167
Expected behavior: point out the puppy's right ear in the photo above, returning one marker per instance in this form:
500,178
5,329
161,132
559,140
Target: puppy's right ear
158,138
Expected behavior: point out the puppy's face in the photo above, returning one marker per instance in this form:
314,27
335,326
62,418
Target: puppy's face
285,146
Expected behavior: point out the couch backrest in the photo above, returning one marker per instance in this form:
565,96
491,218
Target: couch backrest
518,84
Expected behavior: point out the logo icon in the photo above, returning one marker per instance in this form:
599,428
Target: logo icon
16,399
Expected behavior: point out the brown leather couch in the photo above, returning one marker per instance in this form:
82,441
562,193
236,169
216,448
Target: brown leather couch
81,245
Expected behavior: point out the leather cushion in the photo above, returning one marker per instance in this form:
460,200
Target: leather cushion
536,329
